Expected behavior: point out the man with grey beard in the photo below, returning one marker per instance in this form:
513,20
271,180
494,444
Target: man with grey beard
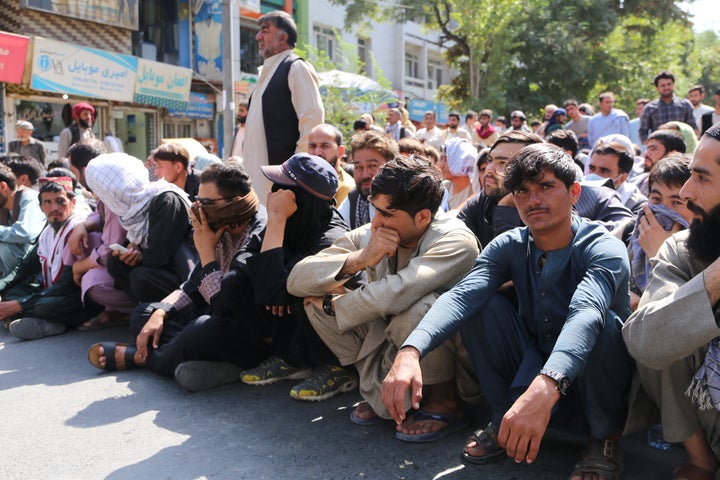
674,335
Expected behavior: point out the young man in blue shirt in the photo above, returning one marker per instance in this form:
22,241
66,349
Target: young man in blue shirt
560,352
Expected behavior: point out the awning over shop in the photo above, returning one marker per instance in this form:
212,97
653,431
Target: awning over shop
13,52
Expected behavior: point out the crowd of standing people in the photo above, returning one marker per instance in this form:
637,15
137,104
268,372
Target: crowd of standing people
566,272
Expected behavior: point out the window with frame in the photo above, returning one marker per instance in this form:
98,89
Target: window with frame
363,52
250,58
412,65
434,74
325,41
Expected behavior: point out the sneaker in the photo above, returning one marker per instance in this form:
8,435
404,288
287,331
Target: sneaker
30,328
199,375
273,370
324,382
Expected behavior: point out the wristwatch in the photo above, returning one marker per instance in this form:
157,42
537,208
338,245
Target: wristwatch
563,382
327,305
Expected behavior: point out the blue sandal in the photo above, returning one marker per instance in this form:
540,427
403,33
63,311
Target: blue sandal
452,424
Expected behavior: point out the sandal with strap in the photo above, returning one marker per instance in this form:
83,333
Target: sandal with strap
109,354
691,472
486,439
364,408
603,458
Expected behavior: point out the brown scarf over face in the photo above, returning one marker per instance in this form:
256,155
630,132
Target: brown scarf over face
232,213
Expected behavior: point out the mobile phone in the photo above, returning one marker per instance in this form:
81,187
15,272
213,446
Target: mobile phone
116,247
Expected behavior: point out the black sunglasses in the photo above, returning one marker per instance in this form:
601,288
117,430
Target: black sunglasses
209,201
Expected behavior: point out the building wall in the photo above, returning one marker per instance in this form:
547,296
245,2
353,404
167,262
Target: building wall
388,44
25,21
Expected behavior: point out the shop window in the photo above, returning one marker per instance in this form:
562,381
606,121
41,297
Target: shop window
158,33
49,118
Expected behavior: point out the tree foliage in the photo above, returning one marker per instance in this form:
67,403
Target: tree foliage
525,54
343,106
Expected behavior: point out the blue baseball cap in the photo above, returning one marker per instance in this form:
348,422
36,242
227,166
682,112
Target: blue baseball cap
311,173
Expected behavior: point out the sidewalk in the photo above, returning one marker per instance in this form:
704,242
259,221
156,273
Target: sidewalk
65,420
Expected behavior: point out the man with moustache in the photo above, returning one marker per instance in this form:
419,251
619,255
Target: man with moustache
674,333
239,137
326,141
369,151
666,108
492,211
51,304
83,115
409,254
453,129
556,355
285,104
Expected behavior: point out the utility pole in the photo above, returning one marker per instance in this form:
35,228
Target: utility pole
231,69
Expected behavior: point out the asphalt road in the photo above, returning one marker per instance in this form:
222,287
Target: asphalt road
63,419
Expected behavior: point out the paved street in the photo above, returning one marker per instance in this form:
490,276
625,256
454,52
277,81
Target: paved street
63,419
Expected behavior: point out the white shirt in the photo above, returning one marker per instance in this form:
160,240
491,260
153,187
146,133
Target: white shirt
432,137
699,111
304,87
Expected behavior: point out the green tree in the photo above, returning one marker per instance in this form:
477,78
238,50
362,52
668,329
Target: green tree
706,56
637,49
524,54
344,106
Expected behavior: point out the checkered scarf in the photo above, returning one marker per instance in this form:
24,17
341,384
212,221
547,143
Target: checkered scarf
121,182
704,389
666,217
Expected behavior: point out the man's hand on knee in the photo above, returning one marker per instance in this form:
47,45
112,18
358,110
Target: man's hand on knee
404,375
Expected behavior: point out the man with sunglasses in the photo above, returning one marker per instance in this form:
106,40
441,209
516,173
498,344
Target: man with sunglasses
171,336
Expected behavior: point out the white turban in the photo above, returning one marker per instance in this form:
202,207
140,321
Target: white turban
121,182
461,156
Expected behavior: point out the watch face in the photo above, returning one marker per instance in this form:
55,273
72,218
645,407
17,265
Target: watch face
563,385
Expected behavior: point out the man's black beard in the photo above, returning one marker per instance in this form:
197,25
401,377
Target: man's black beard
57,224
496,193
83,123
241,119
704,239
